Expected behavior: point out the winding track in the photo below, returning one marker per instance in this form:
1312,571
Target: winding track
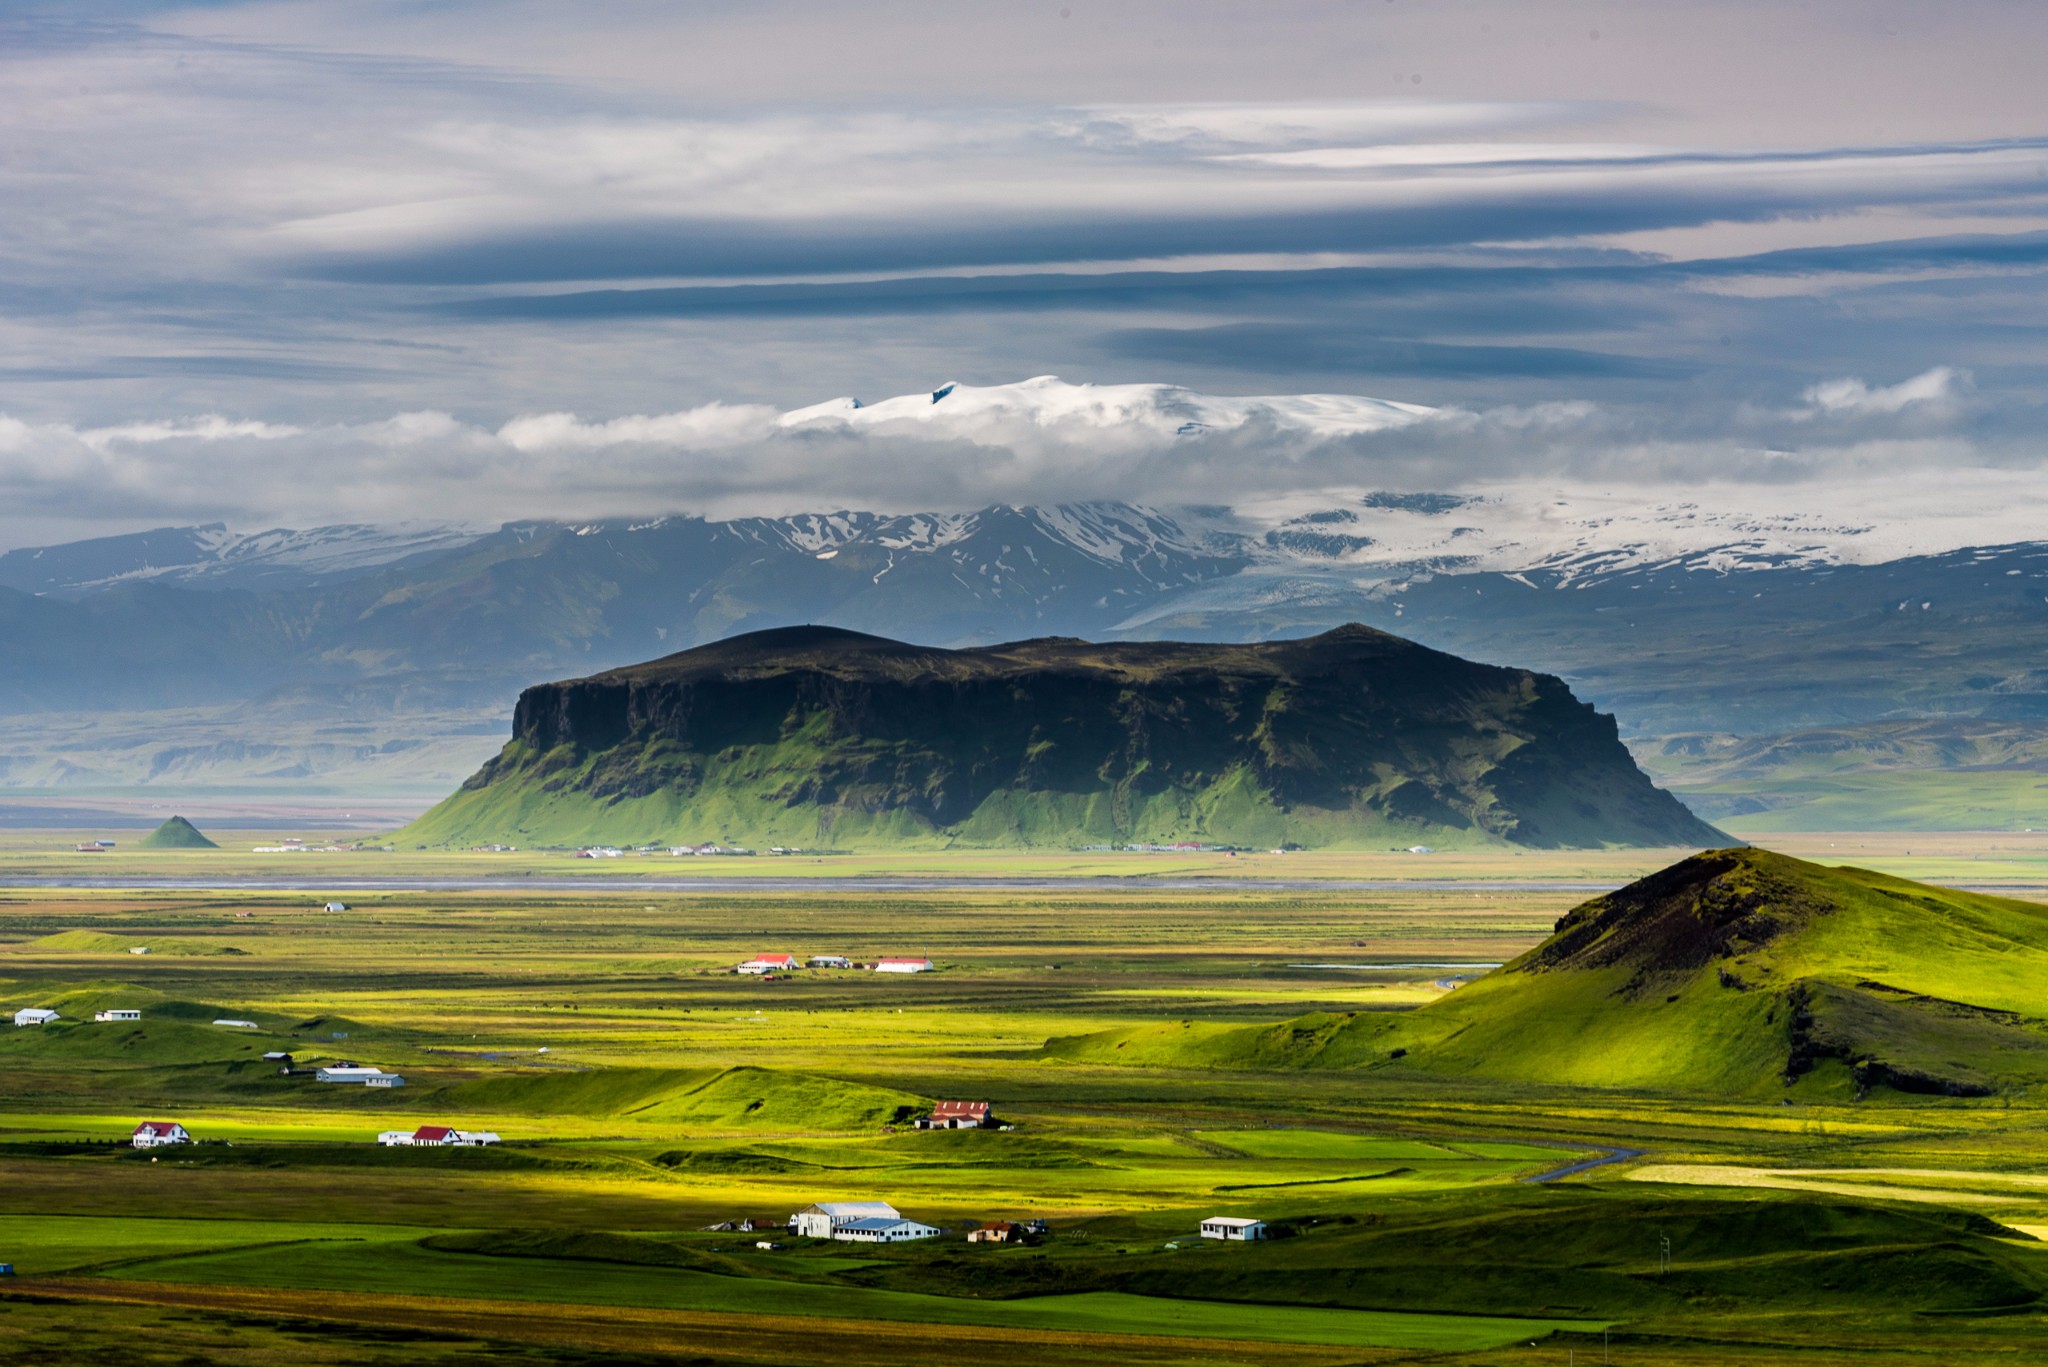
1607,1156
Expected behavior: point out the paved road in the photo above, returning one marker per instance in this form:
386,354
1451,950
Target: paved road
1586,1164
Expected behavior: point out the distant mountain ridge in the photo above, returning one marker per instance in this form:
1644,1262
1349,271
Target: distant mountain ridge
211,556
817,736
1650,618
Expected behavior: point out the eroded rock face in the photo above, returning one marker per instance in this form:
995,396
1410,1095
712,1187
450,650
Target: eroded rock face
1353,736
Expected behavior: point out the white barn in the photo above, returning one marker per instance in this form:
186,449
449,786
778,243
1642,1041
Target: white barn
118,1014
1231,1227
35,1015
821,1220
903,965
359,1073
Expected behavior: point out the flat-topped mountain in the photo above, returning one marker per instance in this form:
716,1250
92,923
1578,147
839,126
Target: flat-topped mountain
813,736
1736,972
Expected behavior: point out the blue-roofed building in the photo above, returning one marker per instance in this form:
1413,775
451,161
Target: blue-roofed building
883,1230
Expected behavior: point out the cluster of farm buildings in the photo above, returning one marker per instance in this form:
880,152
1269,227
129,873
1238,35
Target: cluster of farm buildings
878,1222
768,965
156,1134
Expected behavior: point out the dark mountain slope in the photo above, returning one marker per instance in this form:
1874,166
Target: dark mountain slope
809,736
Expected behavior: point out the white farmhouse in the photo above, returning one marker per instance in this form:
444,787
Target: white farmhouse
117,1014
820,1221
436,1136
154,1134
35,1015
1231,1227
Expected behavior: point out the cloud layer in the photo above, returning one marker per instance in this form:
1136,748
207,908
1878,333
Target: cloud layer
1593,236
958,447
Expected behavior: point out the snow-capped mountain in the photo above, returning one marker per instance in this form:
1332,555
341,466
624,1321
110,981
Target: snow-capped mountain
1048,405
211,556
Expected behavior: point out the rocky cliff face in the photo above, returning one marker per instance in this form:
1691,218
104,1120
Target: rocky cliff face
816,736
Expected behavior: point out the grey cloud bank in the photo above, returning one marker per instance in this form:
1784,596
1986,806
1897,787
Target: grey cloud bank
1749,242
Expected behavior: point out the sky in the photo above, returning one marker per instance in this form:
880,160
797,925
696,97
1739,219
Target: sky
457,261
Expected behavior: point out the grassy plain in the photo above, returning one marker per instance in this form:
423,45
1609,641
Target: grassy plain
644,1093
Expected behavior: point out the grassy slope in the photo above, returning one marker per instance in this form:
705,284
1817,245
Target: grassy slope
1959,774
1917,985
740,799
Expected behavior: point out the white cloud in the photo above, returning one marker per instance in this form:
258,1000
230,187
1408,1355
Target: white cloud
1849,396
1041,440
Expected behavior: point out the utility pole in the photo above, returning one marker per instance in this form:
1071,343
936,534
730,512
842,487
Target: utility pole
1663,1253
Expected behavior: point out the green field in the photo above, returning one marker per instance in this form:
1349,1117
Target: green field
645,1093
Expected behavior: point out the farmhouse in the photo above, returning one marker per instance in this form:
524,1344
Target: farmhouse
152,1134
830,961
119,1013
436,1136
995,1232
882,1230
1230,1227
384,1080
819,1221
35,1015
769,963
360,1073
903,965
956,1115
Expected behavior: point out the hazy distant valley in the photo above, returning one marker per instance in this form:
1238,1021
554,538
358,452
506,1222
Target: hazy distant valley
1771,670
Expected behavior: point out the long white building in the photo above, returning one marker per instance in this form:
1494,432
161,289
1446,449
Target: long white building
824,1219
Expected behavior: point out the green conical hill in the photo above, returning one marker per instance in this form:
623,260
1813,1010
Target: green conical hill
1734,972
824,738
177,834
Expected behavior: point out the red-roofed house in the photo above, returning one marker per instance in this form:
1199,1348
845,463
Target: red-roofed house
956,1115
431,1136
769,963
151,1134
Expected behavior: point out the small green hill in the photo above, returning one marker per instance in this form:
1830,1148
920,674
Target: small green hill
99,942
710,1098
1734,972
177,834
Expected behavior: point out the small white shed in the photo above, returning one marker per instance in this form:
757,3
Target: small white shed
35,1015
1231,1227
